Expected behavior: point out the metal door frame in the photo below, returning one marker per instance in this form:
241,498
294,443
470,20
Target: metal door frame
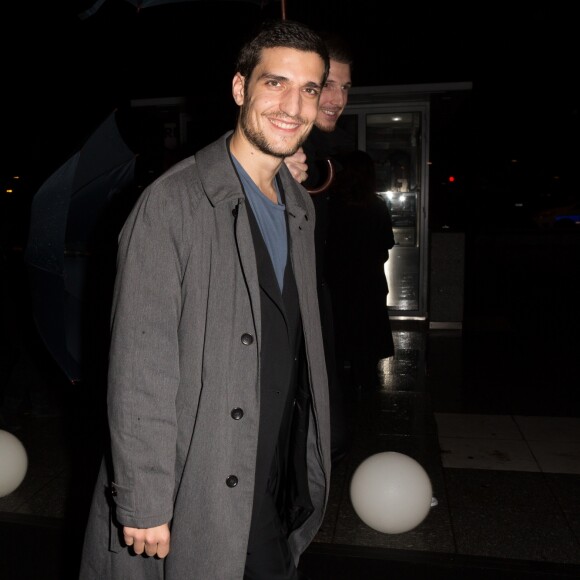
406,98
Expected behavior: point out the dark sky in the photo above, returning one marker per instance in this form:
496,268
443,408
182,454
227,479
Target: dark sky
62,75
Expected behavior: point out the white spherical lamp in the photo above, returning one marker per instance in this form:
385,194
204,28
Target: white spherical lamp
391,492
13,462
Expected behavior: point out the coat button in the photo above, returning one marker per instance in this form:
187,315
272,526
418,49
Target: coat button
113,491
232,481
235,211
247,339
237,413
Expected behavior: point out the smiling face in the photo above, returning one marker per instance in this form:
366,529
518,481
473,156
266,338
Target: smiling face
279,102
334,96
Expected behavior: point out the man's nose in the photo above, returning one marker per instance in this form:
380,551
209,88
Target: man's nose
292,102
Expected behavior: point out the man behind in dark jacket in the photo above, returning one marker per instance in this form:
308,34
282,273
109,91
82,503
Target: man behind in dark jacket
314,166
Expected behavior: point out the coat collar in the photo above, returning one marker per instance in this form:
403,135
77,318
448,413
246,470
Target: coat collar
225,185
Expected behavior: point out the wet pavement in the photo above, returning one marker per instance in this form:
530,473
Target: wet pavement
492,413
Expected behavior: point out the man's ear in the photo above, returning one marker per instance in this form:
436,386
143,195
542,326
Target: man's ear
238,85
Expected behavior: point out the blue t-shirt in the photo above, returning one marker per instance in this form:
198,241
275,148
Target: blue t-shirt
271,220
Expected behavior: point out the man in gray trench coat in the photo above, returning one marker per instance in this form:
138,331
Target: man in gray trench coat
219,464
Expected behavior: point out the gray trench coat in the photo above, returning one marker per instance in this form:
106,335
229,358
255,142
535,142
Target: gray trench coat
186,297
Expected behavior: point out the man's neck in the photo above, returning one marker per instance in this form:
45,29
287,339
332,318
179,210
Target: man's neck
260,166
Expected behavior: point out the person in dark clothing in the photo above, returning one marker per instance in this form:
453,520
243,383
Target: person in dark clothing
310,165
219,461
360,235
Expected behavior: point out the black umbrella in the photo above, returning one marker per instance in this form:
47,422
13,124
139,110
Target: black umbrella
150,3
69,222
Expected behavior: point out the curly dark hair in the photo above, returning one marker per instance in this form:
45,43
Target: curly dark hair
280,34
338,48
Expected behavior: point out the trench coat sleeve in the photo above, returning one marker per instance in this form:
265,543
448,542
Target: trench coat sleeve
144,356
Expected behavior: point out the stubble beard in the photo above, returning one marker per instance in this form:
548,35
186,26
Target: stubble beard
326,127
259,140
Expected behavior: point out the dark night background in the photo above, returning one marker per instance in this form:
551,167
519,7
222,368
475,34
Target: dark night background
62,75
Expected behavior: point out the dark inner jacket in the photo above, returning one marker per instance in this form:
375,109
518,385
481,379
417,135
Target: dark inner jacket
284,397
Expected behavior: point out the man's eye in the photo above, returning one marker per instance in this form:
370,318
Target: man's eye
313,92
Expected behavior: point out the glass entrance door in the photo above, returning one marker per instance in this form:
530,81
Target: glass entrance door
395,138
